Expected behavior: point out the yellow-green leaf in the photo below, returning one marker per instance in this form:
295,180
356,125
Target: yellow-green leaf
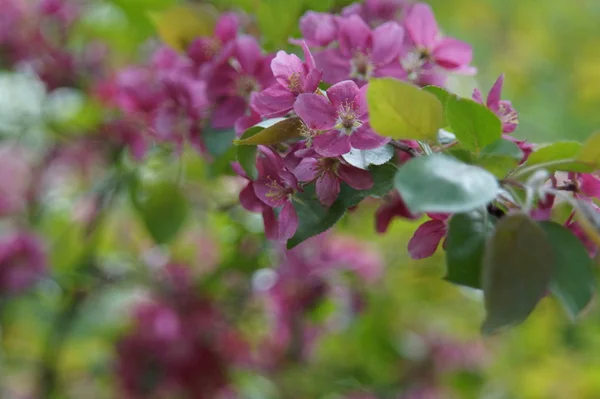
590,152
403,111
179,25
281,131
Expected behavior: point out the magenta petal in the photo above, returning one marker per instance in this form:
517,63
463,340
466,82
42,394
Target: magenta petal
307,169
426,239
387,43
356,178
288,221
249,200
421,26
248,53
272,102
332,144
342,94
311,83
328,188
452,53
266,193
493,98
354,35
227,112
319,29
360,103
316,111
392,70
477,97
394,207
309,60
364,138
227,27
271,224
334,65
284,65
590,185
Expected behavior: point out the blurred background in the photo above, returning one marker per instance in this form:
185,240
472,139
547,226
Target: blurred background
415,336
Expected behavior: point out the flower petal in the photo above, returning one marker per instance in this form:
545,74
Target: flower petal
387,43
227,27
271,224
288,222
493,98
452,53
334,65
328,188
426,239
354,35
342,94
393,207
319,29
316,111
249,200
332,144
227,112
248,53
421,26
272,102
306,169
284,65
364,138
356,178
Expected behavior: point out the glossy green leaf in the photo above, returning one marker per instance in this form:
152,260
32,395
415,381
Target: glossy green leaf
504,148
465,246
163,209
561,155
573,281
274,133
364,158
403,111
590,151
217,141
440,183
313,217
517,270
500,157
474,125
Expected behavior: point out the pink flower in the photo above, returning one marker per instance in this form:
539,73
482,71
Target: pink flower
22,262
318,29
446,52
393,207
376,12
244,70
293,78
427,237
343,117
205,49
131,134
587,184
362,53
15,175
502,108
274,187
328,173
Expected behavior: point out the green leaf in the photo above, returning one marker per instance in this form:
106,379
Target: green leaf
590,151
573,280
217,141
313,217
472,123
442,95
403,111
277,21
364,158
499,166
517,270
465,246
179,25
163,209
274,131
504,148
440,183
561,155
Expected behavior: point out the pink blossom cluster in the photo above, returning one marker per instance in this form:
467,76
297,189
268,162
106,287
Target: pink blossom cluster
35,36
22,262
306,277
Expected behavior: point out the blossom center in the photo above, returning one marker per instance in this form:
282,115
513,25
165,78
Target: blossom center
361,66
347,119
211,47
245,85
277,192
294,84
412,63
507,114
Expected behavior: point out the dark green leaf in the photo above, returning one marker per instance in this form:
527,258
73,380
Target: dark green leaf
313,217
573,281
465,245
474,125
440,183
517,270
163,209
217,141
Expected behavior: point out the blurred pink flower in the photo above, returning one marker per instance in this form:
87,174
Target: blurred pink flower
22,262
428,235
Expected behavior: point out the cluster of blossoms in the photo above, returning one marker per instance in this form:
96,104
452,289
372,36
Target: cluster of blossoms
35,36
